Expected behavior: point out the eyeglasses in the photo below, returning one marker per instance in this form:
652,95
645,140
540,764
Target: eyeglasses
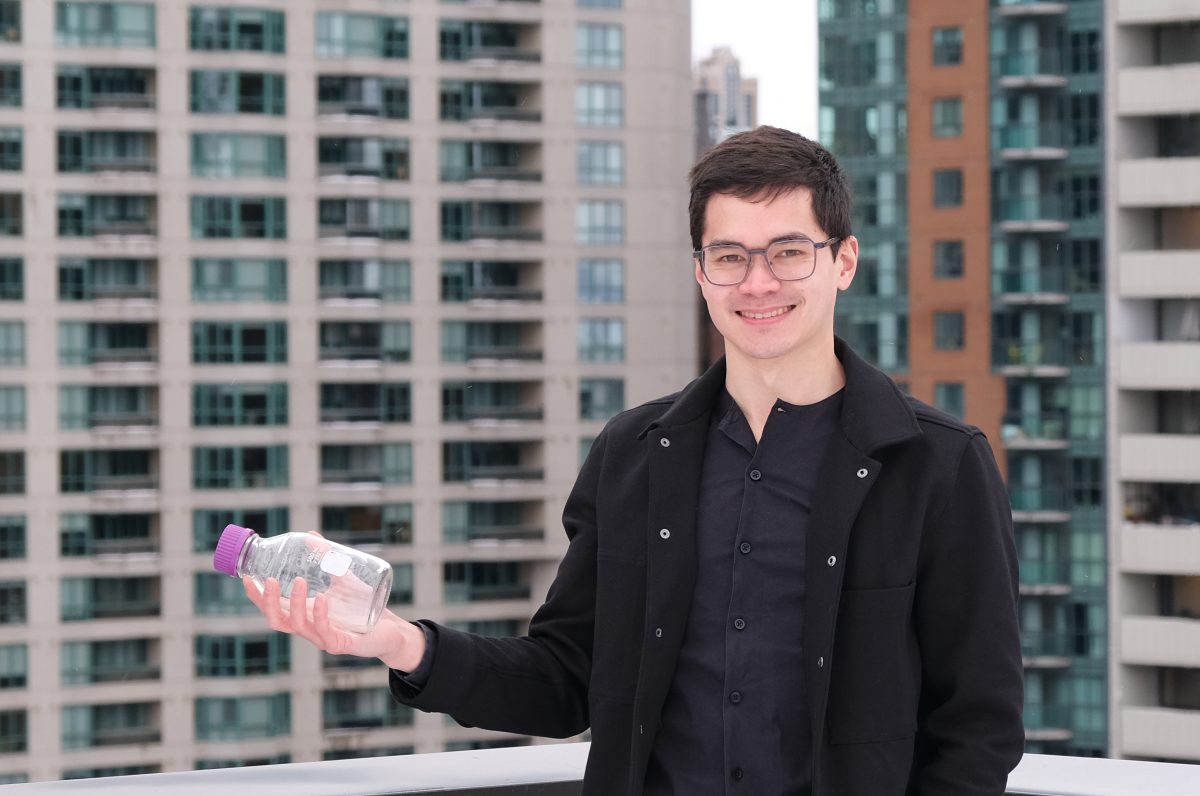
727,264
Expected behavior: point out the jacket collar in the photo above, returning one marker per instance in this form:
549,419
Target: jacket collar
875,414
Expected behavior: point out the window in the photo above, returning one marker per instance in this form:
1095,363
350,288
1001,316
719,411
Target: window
353,95
81,279
238,155
105,470
14,666
208,524
87,726
243,656
10,85
599,46
240,404
274,760
105,87
84,599
600,162
341,35
499,280
390,341
88,215
11,215
90,662
104,24
93,534
948,188
478,520
14,736
372,751
215,91
464,401
480,581
600,104
359,402
382,158
84,151
10,32
389,523
461,101
471,461
598,3
12,408
12,602
12,472
216,342
381,280
947,46
239,280
601,340
489,628
386,219
389,463
1083,120
248,29
1083,52
601,281
11,149
81,343
363,709
1083,197
600,222
947,118
948,331
601,399
947,259
949,398
109,771
243,718
240,467
12,344
12,536
1085,269
239,217
585,447
464,341
1087,482
217,594
402,585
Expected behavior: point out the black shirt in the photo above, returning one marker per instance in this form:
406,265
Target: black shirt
735,719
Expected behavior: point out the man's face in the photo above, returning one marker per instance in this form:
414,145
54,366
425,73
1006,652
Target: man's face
795,315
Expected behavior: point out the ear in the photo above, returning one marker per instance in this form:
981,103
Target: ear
847,262
699,271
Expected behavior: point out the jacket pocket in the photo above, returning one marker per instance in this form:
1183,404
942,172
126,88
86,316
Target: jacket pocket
874,681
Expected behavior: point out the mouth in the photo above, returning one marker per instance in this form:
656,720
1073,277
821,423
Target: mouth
766,314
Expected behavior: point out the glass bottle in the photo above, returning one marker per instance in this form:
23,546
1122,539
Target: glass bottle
356,584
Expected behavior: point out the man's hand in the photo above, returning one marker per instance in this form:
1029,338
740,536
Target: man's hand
399,644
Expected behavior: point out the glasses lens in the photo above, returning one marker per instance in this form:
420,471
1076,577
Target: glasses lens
725,265
792,259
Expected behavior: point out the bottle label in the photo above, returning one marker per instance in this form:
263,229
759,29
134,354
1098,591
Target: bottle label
335,563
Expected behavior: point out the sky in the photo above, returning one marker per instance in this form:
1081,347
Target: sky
776,41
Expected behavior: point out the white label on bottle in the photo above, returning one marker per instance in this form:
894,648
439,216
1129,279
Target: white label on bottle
335,563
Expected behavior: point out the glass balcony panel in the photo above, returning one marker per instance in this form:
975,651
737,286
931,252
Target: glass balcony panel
1045,425
1047,61
1037,498
1008,352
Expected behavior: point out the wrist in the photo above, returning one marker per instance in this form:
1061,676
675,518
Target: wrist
409,650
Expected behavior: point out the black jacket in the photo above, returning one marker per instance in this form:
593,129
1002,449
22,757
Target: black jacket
913,652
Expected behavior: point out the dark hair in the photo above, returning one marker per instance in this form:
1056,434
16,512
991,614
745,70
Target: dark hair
761,164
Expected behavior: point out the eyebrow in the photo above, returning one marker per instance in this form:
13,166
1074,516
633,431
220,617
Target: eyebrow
776,239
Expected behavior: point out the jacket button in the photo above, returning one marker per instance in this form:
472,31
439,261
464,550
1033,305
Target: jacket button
735,697
745,547
666,443
820,663
862,473
755,475
740,624
832,560
737,773
664,533
658,632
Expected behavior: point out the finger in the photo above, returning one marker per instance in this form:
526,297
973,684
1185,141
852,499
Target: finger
317,534
298,607
252,592
331,639
269,604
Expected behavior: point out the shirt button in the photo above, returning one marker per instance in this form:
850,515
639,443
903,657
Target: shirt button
737,773
735,697
755,475
745,547
740,624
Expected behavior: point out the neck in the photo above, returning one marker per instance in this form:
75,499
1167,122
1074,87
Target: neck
804,377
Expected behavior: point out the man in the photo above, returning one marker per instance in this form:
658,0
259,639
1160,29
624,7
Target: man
788,578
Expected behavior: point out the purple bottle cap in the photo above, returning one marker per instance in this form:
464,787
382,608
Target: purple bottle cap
233,538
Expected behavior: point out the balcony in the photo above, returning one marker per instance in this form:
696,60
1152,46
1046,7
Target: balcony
475,101
113,215
1042,68
469,222
106,151
1021,286
1158,274
487,342
105,88
347,95
1158,366
491,461
490,281
1158,548
85,599
1029,8
1046,430
1042,358
1158,90
490,402
1160,457
1038,503
1160,641
103,279
1045,577
1158,182
557,770
1047,722
1161,733
1030,213
483,581
380,158
463,40
1047,649
1036,141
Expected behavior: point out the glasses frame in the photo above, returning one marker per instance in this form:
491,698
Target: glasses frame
699,255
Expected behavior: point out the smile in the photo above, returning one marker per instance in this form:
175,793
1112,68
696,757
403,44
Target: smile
768,314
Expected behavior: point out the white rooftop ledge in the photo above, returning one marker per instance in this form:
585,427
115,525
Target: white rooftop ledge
557,770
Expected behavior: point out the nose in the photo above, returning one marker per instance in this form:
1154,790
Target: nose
758,279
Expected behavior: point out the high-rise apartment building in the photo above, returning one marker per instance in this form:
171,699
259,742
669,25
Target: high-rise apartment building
379,270
1153,213
972,135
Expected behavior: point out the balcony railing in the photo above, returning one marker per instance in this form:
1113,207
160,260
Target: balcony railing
1036,135
467,593
119,674
507,352
500,472
557,770
503,293
116,736
502,413
1035,573
114,101
1017,428
1037,498
1045,62
1021,353
497,533
108,356
125,609
1029,282
503,114
1048,208
1047,644
104,483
